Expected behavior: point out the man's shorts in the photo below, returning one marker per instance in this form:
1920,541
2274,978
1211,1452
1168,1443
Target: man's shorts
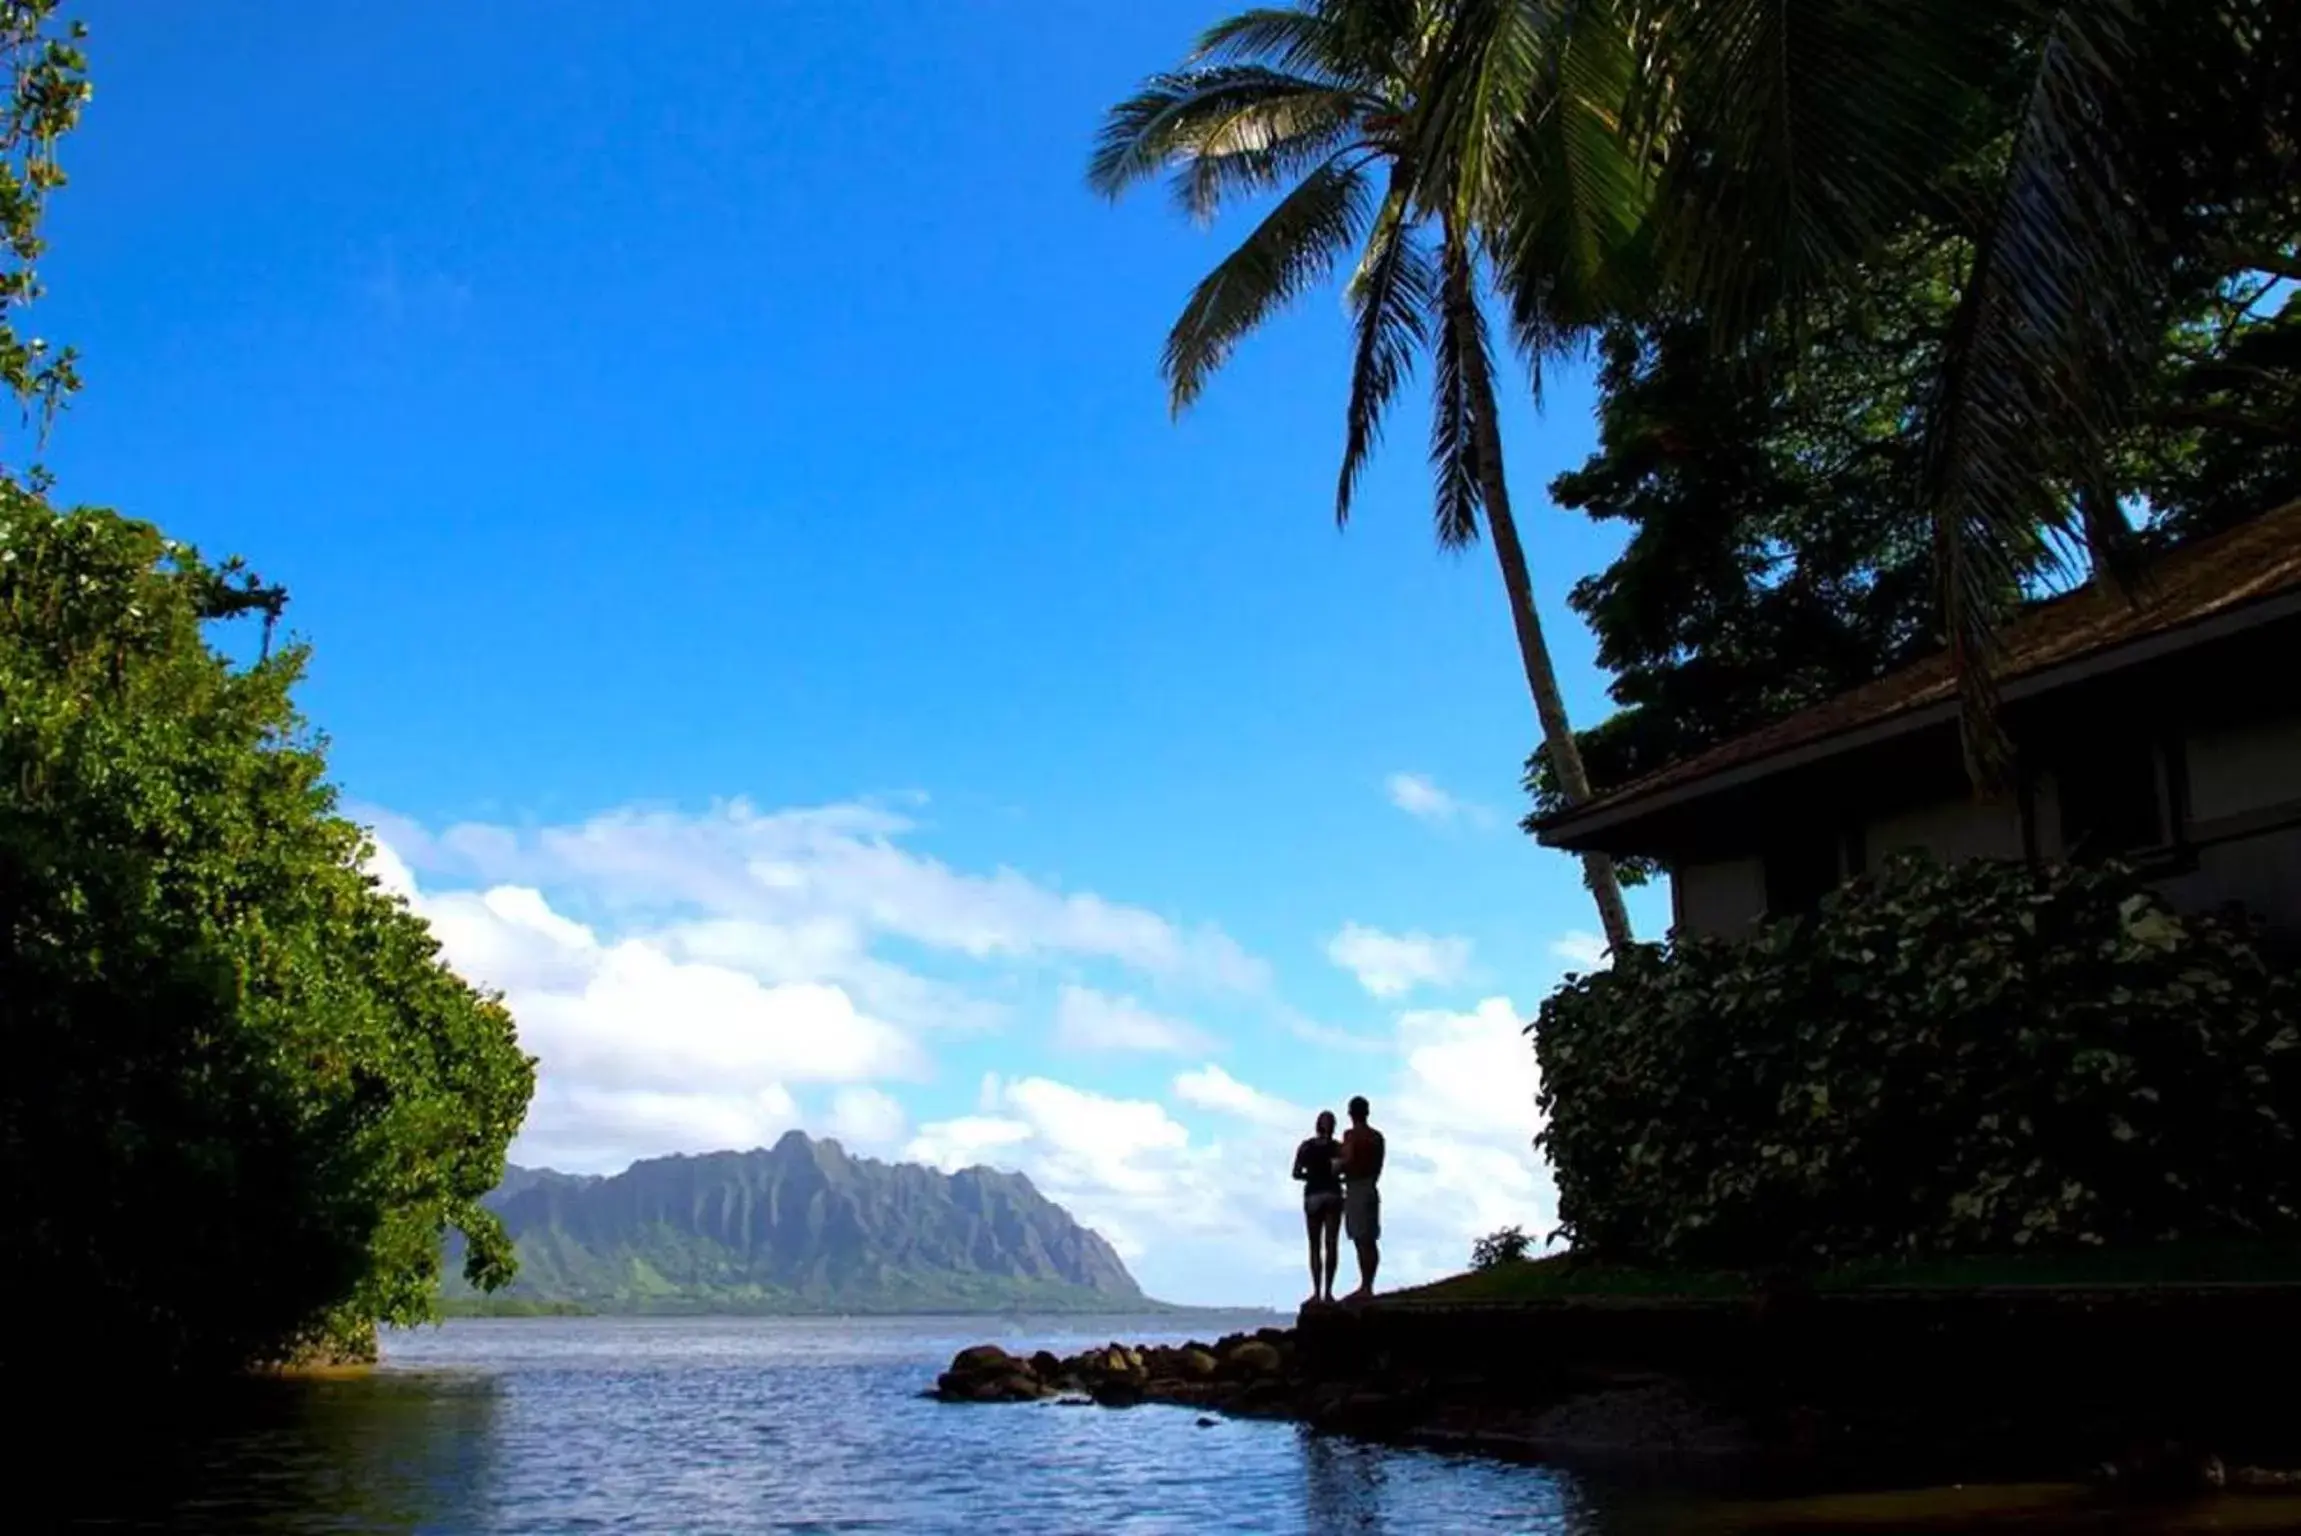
1362,1212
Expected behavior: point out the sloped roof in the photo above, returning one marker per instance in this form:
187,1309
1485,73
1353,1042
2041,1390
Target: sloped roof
2252,563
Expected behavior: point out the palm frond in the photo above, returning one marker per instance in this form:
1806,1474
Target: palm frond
2051,336
1296,245
1168,120
1805,132
1483,75
1389,295
1376,38
1299,41
1263,146
1460,361
1572,244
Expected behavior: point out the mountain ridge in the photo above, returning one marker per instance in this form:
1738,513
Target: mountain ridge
804,1226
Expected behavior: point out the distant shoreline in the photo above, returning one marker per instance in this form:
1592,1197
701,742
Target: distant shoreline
521,1307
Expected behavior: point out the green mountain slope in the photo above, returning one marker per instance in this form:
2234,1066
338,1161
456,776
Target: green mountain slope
799,1227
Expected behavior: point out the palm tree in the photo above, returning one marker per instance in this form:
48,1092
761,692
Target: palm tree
1388,131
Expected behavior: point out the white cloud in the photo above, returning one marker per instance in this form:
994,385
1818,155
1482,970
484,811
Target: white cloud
644,1051
867,1120
1087,1020
1583,951
581,1128
962,1143
679,975
1391,964
1124,1167
837,864
1210,1087
1420,797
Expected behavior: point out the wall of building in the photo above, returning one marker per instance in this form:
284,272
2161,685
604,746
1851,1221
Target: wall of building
2262,873
1950,830
2241,779
2245,768
1719,898
2245,821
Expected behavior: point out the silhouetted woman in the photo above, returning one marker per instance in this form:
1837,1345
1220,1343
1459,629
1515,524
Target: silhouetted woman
1318,1164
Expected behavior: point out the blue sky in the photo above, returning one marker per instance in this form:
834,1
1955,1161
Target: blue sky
760,597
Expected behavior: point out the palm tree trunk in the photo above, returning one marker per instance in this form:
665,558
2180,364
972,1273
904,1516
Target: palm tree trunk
1533,649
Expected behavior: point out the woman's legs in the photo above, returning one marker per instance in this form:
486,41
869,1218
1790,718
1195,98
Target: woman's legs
1312,1220
1330,1227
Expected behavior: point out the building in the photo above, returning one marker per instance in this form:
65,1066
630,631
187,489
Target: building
2163,728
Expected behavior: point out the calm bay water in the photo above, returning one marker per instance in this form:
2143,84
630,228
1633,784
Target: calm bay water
739,1425
569,1425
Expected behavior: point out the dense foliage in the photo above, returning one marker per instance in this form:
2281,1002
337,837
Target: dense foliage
1956,1059
244,1094
48,75
1508,1245
1777,553
1773,489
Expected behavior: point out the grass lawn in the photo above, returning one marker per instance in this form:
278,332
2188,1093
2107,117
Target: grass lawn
1564,1277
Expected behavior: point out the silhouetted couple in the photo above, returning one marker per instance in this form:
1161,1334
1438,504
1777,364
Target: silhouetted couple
1340,1182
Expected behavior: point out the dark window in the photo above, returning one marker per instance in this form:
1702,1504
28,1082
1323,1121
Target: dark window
1801,868
2113,800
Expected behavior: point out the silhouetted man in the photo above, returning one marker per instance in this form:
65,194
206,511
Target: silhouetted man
1318,1164
1362,1152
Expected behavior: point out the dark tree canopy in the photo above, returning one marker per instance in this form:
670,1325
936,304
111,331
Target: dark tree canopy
1780,547
1778,553
245,1096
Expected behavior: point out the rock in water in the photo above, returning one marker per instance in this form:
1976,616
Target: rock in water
1118,1392
982,1359
1254,1359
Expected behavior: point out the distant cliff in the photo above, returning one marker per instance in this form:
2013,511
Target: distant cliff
799,1227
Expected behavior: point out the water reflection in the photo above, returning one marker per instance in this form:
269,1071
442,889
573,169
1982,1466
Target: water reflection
378,1453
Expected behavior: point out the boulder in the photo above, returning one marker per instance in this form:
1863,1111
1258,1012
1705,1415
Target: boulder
982,1360
1254,1359
1046,1367
1118,1392
1196,1364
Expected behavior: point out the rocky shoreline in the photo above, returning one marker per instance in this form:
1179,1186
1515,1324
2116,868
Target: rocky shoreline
1266,1374
1746,1428
1240,1373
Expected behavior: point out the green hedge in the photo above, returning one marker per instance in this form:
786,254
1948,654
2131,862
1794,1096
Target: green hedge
1957,1059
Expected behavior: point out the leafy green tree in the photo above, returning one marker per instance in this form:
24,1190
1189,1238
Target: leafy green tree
50,77
245,1095
1385,131
1777,555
